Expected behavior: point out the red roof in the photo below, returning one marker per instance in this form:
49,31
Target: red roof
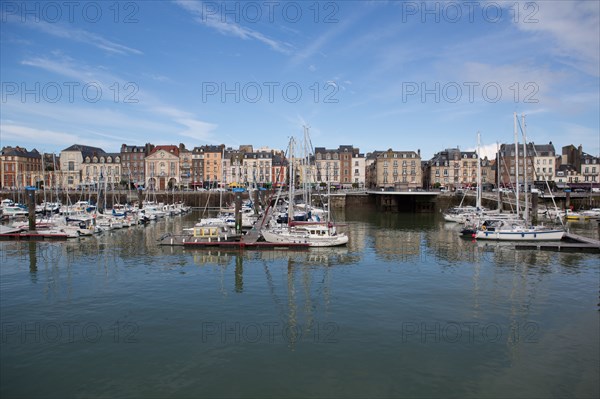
173,149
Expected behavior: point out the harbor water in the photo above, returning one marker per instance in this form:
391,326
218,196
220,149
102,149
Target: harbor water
407,309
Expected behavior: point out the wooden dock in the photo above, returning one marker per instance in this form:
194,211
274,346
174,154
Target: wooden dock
244,245
570,243
26,236
560,246
253,235
582,239
11,233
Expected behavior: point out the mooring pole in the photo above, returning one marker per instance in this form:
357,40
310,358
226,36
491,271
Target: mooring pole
31,206
534,208
238,210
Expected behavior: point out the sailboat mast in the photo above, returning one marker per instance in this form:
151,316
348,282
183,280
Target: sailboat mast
498,174
516,163
525,168
53,177
307,173
222,180
44,179
478,201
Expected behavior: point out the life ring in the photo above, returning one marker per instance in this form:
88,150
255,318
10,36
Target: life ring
483,228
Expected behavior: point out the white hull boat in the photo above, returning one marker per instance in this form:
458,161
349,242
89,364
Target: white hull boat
317,235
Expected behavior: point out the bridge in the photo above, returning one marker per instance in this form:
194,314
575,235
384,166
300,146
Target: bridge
394,201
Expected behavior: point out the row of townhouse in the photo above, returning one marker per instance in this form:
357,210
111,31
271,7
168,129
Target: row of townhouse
167,166
20,167
394,170
575,168
453,168
343,167
542,164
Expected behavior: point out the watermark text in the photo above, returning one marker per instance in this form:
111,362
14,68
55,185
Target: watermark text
70,11
53,92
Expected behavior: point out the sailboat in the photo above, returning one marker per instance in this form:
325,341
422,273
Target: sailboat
318,234
520,229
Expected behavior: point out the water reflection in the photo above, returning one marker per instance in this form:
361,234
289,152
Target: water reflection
397,272
32,259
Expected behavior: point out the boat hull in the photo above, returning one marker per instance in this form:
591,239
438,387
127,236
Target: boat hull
292,238
544,235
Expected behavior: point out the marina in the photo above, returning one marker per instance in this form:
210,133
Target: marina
329,199
182,313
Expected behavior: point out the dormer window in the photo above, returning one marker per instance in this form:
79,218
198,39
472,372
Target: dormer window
87,159
95,159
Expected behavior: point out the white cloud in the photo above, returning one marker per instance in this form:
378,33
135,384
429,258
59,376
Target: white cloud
578,134
37,137
164,117
317,45
77,35
65,67
156,77
198,130
230,29
520,84
485,150
573,26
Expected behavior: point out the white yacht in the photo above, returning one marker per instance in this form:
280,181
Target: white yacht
313,234
506,230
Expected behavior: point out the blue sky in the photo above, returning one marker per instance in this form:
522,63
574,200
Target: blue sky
377,75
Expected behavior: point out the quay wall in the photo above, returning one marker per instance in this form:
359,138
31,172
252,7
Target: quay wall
383,203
